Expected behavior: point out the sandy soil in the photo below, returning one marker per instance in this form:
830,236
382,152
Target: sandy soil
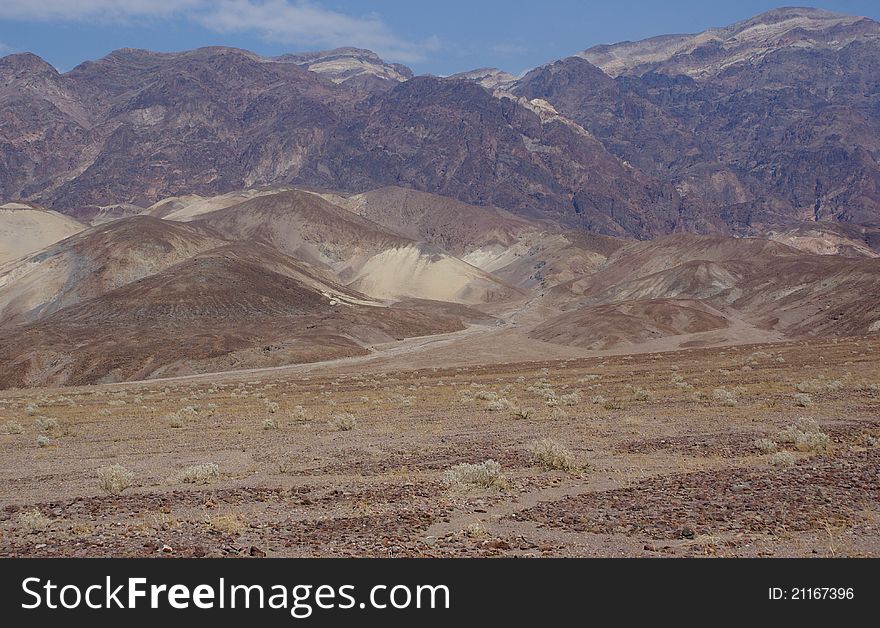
661,452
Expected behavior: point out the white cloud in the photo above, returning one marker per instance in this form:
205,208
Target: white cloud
299,23
306,24
112,11
4,48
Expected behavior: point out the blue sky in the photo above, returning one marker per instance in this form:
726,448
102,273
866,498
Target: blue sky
431,37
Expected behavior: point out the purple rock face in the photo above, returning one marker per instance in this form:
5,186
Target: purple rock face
709,138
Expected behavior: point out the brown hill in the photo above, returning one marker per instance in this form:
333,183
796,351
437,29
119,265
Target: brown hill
372,258
618,325
456,227
760,286
95,261
238,306
303,225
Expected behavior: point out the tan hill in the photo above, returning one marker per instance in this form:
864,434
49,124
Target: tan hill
421,272
25,228
272,277
372,258
188,207
238,306
94,262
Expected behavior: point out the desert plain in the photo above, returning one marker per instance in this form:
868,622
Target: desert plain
750,450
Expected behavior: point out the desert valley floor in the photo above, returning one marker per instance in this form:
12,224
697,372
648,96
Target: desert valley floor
752,450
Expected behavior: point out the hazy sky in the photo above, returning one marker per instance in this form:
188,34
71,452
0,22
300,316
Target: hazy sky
438,37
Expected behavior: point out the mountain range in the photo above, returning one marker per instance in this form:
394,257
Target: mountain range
733,130
678,192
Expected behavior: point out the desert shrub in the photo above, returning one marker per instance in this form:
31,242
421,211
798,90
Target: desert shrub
270,423
867,387
486,395
483,475
806,435
229,523
812,441
298,413
803,400
803,425
183,416
475,531
200,473
46,424
553,456
782,459
640,394
818,385
766,445
189,413
31,409
33,521
499,405
114,479
571,399
343,421
523,413
11,427
597,400
43,441
724,397
271,407
559,414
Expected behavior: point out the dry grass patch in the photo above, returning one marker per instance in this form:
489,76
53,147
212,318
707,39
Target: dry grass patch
343,422
229,523
554,456
114,479
783,459
11,427
200,473
33,521
806,435
483,475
